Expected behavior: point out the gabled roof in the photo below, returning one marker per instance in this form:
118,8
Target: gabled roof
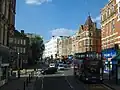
88,21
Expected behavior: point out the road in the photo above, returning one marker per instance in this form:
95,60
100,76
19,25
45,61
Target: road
64,80
60,81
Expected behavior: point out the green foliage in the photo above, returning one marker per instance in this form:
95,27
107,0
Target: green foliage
37,47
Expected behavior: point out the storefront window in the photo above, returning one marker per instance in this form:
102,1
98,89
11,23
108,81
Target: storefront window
3,73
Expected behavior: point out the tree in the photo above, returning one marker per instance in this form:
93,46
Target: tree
37,47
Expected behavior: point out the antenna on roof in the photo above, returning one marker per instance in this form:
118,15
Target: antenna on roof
88,13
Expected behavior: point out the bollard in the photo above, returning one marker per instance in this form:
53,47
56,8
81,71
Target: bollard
31,75
27,82
116,74
24,86
36,78
29,78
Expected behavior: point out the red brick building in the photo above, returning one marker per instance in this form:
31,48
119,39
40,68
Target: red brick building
110,24
89,37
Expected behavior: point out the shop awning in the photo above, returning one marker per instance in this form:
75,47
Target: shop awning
117,57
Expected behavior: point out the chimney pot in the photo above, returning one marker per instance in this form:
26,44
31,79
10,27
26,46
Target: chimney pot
22,31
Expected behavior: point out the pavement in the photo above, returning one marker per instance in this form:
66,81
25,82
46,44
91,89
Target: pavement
14,84
111,83
19,84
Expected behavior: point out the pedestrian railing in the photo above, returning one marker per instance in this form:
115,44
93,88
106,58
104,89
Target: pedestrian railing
28,80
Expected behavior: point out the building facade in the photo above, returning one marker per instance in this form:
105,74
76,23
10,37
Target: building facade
88,38
20,43
75,43
51,47
110,22
69,46
65,46
6,8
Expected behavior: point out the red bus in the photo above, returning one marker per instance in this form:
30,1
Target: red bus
88,66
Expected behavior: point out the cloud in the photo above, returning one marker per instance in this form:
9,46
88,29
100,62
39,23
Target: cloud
62,32
37,2
97,20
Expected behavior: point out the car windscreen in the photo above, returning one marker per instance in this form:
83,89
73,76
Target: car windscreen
52,64
93,67
61,65
79,56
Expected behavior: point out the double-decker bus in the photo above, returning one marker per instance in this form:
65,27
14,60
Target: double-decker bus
88,66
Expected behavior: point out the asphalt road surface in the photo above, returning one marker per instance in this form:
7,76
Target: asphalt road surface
63,80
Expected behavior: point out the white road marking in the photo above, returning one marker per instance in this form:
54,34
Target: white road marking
106,87
60,71
69,83
53,75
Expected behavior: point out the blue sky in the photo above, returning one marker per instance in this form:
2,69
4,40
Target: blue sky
55,17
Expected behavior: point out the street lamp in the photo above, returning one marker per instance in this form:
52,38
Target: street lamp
18,66
18,61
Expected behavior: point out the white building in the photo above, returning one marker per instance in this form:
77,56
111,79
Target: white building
51,47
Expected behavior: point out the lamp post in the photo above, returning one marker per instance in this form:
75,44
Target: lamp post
18,66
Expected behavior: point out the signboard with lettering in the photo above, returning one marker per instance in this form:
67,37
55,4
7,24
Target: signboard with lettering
109,53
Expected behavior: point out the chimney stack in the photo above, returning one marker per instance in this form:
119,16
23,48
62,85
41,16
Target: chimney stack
22,31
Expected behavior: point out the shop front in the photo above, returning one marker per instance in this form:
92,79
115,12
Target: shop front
4,64
108,55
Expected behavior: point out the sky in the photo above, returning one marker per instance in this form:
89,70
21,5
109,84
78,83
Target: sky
55,17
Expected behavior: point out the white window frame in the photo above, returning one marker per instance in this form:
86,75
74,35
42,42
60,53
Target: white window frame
24,42
112,8
21,41
118,8
113,25
18,41
3,7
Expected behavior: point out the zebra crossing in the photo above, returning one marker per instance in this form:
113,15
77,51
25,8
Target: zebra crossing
38,74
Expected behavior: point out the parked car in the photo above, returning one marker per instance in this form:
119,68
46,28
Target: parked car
61,67
48,70
52,65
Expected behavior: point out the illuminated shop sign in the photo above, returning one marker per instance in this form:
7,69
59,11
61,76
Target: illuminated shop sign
109,53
